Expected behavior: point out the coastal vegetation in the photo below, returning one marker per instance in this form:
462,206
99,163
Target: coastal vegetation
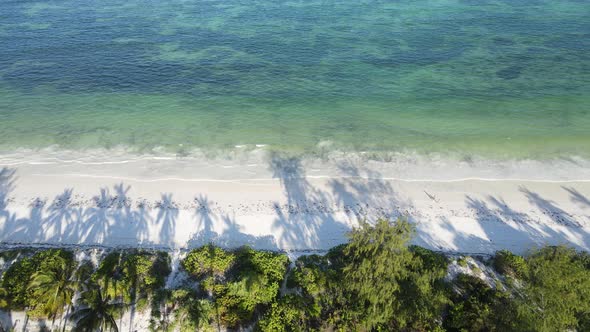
377,281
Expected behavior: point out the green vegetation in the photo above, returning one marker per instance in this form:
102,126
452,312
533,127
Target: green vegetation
462,261
95,312
44,284
40,283
375,282
132,277
239,283
475,306
555,292
510,264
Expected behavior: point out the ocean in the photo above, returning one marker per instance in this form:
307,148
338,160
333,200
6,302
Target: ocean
474,78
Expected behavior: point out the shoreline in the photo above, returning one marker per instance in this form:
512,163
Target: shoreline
238,181
287,204
261,163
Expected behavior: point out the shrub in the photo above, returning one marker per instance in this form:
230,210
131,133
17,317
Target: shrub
253,282
462,261
208,261
556,291
241,282
285,315
430,259
477,307
510,264
16,279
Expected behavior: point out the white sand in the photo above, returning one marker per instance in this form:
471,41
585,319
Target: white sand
280,203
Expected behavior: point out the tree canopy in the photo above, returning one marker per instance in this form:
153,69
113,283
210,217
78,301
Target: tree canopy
376,281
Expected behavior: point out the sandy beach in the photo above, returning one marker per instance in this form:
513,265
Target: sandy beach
283,203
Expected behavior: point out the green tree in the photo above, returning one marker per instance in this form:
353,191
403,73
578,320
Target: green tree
240,283
318,281
132,277
95,312
477,307
556,290
3,301
191,313
424,294
15,282
509,264
209,264
285,315
391,283
109,275
18,277
54,287
252,283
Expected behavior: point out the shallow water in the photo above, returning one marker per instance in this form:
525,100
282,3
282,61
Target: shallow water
495,78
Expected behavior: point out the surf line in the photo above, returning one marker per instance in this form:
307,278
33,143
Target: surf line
133,179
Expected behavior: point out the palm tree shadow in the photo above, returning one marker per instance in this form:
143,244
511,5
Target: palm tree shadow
167,216
36,218
507,213
7,180
550,209
107,218
363,192
446,234
60,212
307,217
231,235
577,197
502,227
96,219
291,174
128,224
203,214
10,224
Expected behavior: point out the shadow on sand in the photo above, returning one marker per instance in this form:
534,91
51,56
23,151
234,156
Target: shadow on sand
109,218
312,215
215,226
320,217
494,225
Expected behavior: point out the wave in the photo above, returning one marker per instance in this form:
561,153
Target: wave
256,163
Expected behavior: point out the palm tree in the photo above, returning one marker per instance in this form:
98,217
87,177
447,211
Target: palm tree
111,273
95,312
54,288
3,302
189,309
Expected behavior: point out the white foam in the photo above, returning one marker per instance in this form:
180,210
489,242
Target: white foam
227,164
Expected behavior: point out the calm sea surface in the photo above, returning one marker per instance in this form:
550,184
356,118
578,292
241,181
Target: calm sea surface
497,78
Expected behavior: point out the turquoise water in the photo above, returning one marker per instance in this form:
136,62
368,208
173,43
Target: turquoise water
501,78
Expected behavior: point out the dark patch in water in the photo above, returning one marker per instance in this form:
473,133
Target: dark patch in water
509,73
503,41
419,57
571,42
